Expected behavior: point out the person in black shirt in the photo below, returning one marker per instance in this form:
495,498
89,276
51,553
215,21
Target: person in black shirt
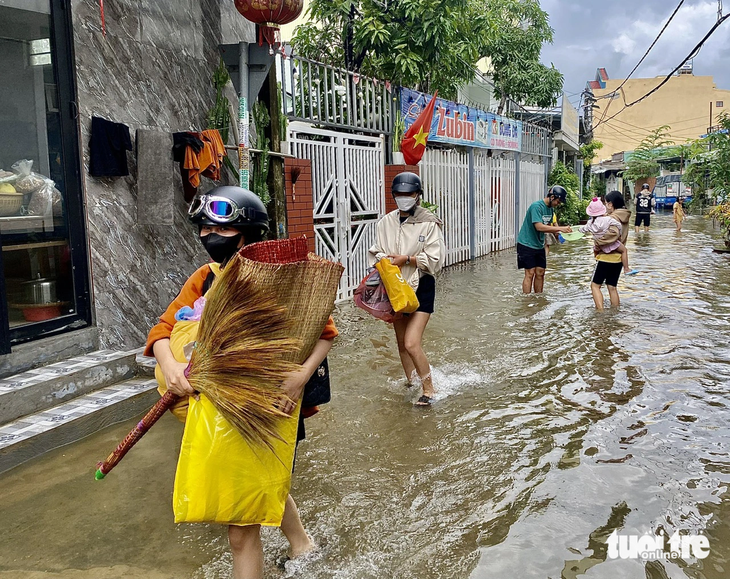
644,205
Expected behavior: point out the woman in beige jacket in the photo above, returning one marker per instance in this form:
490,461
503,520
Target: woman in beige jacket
412,239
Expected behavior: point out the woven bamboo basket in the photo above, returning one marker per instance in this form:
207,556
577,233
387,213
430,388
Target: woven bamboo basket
262,317
10,203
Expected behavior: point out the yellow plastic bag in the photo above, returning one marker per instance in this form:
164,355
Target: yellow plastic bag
220,478
183,333
401,295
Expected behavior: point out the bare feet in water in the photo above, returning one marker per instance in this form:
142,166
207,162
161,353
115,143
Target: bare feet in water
299,550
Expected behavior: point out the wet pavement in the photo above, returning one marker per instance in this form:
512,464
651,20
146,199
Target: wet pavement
554,425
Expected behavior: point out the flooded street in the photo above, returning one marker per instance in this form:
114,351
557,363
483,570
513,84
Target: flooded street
554,425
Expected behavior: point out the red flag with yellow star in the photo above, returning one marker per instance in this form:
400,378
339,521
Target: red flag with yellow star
414,140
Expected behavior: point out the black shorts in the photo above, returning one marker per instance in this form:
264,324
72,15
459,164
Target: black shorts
607,273
645,217
426,293
530,258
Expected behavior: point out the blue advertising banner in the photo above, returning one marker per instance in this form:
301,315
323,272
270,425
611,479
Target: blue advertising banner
457,124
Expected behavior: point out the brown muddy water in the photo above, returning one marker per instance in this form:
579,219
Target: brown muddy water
554,426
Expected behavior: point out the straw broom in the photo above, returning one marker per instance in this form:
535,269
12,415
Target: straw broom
239,358
261,320
241,374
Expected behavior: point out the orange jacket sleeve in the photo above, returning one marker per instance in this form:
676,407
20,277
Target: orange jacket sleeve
190,292
330,330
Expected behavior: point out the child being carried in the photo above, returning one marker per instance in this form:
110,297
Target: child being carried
598,226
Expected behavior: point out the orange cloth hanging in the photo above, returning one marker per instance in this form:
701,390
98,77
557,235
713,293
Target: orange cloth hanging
208,161
218,150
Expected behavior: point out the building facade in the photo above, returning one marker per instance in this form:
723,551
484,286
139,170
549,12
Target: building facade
688,104
103,252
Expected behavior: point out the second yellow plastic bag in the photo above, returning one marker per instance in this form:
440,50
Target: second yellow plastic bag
183,333
401,295
220,478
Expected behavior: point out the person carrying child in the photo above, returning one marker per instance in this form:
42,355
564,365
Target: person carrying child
598,226
229,218
608,265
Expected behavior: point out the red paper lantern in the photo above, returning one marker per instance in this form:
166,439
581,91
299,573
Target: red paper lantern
269,15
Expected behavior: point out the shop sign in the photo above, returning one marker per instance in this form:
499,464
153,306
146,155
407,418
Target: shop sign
457,124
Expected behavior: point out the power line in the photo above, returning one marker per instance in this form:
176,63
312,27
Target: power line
648,50
652,44
636,134
691,55
650,127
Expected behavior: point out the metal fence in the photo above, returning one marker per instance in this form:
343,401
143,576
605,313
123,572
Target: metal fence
481,197
536,140
348,201
333,97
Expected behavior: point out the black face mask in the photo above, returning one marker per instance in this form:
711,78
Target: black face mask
220,248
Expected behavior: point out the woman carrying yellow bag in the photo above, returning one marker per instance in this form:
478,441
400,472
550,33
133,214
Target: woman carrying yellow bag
229,218
411,238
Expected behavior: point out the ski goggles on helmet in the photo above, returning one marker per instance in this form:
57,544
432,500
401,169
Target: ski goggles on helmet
222,210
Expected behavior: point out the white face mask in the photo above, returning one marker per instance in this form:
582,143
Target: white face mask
406,203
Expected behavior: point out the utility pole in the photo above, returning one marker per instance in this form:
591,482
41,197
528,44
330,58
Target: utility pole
275,181
719,9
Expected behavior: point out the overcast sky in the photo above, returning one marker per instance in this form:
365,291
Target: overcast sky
615,34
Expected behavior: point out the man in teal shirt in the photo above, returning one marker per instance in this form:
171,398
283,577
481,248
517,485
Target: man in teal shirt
531,239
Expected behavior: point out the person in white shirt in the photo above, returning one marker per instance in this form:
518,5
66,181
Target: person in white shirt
412,239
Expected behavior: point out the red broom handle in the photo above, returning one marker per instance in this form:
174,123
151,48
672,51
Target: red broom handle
137,432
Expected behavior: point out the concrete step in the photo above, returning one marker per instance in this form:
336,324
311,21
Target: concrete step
145,364
33,435
36,390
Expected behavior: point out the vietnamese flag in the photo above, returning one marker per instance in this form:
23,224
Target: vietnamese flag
414,140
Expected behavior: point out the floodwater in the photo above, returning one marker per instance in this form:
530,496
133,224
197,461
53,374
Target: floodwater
554,426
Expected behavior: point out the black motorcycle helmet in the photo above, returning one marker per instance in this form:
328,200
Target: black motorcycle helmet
406,182
229,206
558,192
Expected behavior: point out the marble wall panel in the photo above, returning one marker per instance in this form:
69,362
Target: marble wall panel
174,25
151,71
234,28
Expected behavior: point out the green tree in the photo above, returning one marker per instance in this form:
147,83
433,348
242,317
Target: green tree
425,44
643,161
717,160
512,35
435,44
588,152
573,210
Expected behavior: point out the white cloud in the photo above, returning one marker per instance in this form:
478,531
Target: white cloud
624,44
616,34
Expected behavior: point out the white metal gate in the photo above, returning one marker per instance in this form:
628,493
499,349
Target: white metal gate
347,185
532,183
487,222
445,177
501,200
